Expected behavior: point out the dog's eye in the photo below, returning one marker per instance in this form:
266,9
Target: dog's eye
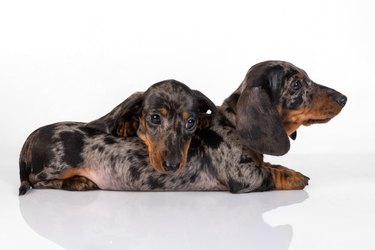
296,85
155,119
190,124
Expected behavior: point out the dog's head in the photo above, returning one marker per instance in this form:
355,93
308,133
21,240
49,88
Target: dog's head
165,117
276,98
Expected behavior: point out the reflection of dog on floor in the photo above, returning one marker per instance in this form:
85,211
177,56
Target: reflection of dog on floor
272,102
123,220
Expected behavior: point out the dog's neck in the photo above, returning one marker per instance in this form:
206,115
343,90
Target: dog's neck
228,108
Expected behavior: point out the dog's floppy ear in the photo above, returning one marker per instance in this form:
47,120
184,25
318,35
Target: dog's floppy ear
123,119
204,105
258,121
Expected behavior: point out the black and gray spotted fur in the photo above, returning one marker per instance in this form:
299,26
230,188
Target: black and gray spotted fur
225,156
165,117
274,100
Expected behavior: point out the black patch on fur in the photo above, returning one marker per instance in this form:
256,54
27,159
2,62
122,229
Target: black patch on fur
210,138
267,184
193,178
235,186
90,132
24,171
158,101
225,123
140,156
273,86
284,102
135,174
25,186
296,102
98,148
73,144
230,110
196,148
113,160
42,176
42,154
291,72
245,159
206,161
101,149
155,183
109,140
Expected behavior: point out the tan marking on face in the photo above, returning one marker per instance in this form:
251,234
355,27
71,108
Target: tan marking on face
184,157
299,75
291,119
185,115
294,119
164,112
154,151
322,108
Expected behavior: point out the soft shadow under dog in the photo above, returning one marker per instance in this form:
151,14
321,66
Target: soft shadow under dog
128,220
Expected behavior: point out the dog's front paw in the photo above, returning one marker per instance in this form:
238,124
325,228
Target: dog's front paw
288,179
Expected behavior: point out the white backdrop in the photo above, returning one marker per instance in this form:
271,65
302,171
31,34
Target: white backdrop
76,60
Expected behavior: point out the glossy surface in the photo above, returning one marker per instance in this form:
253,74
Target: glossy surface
337,211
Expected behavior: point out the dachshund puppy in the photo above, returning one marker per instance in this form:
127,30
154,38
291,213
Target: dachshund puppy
271,103
164,117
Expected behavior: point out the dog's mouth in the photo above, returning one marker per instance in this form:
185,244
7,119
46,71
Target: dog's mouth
321,118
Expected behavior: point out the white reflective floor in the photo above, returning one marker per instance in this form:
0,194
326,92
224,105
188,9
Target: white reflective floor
337,211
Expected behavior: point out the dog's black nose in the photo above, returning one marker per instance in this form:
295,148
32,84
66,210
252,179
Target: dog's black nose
171,166
341,100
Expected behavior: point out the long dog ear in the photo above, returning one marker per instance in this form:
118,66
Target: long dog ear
123,119
258,121
204,105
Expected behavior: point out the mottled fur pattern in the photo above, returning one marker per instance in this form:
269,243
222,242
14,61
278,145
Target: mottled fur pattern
115,163
165,117
226,156
274,100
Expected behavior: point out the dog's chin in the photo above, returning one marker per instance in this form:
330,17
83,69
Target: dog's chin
162,170
316,121
175,172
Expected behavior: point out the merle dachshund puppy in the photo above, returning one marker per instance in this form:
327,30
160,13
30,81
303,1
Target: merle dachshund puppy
164,117
274,99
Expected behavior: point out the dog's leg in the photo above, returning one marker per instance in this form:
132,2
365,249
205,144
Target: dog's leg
285,178
79,183
50,184
75,183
